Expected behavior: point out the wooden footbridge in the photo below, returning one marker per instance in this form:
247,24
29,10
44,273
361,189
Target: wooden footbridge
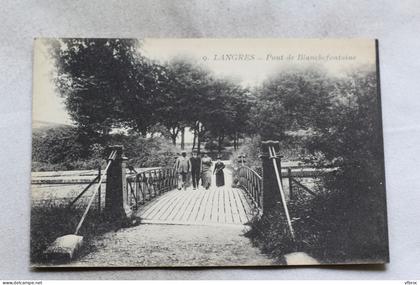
217,205
152,195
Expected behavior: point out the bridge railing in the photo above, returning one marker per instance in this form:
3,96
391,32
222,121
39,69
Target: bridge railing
251,182
89,186
297,190
267,190
98,180
146,185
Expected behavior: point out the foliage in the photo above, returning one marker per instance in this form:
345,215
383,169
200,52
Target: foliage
56,145
90,75
291,100
185,99
108,83
251,149
57,149
342,129
271,236
146,152
355,194
229,114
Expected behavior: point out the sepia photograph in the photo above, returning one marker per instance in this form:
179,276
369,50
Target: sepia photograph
207,153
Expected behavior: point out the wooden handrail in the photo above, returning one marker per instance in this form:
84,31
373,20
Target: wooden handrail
84,191
252,185
303,186
150,183
251,170
132,192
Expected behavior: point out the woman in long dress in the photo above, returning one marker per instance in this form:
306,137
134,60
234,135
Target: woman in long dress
206,171
218,169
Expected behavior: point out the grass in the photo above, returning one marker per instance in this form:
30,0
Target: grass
50,220
324,228
270,237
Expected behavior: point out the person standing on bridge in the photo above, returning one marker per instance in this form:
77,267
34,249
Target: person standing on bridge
218,169
206,171
196,167
183,167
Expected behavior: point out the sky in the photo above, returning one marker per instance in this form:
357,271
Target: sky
247,61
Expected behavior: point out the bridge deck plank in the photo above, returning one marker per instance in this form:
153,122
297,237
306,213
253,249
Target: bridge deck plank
163,205
246,205
186,211
194,214
208,209
201,211
179,206
222,205
242,214
186,208
234,208
152,208
214,207
169,208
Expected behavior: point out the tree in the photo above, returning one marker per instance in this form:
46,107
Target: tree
106,83
56,145
228,115
291,100
184,99
142,103
352,141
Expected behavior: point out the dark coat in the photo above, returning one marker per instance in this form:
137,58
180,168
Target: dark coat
195,164
220,176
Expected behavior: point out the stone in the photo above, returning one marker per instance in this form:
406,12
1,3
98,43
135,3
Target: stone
300,258
64,248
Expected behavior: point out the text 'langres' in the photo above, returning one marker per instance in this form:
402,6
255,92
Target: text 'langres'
234,57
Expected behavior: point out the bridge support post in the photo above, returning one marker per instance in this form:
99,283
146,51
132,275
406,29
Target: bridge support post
116,206
271,196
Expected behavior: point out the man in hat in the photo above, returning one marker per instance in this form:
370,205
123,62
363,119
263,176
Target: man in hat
196,167
183,167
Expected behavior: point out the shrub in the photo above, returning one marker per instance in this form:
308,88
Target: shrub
350,210
58,149
56,145
251,149
270,234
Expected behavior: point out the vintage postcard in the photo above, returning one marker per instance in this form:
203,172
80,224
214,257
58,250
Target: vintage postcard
207,152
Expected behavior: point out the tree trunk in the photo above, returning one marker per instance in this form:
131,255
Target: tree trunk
141,129
199,136
220,142
194,138
183,138
174,134
198,142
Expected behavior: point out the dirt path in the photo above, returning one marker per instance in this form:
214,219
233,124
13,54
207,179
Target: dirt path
150,245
